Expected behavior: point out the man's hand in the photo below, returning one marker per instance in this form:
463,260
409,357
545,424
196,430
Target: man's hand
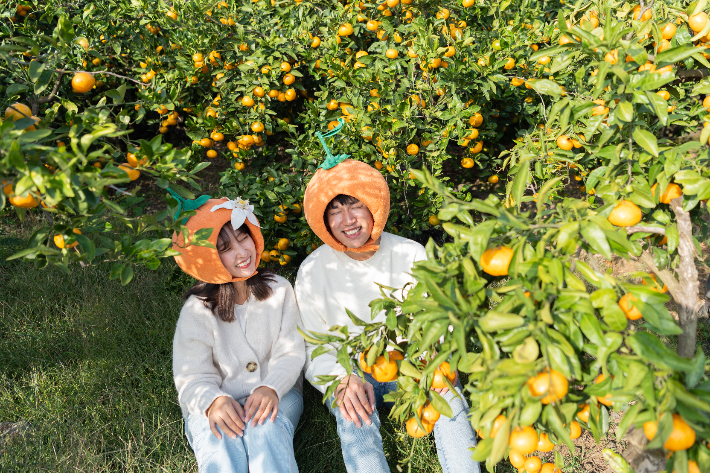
260,404
443,391
228,414
355,397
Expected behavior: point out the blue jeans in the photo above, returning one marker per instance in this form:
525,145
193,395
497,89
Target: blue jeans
267,447
362,447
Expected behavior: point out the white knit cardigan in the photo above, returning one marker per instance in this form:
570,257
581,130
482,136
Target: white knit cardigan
213,358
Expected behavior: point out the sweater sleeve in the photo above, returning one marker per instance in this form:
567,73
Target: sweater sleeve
197,380
287,352
313,320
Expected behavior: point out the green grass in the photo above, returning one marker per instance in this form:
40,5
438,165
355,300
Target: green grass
87,364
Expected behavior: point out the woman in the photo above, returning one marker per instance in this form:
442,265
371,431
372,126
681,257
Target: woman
237,356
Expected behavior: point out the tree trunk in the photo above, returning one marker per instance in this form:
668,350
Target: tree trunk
688,305
640,459
685,289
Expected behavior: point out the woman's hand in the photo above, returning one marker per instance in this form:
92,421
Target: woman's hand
260,404
228,414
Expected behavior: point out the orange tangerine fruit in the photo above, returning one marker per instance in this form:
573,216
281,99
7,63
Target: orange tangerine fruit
495,261
524,440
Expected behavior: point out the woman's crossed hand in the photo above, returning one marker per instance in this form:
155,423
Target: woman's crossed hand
262,402
228,415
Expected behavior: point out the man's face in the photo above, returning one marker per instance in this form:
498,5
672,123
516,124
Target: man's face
351,224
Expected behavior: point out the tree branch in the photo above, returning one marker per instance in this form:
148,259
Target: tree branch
692,74
51,95
642,229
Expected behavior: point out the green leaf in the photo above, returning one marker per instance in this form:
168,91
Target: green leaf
595,237
625,111
546,87
501,442
653,350
483,450
521,181
15,89
440,404
36,69
478,239
616,462
646,140
592,329
660,106
126,274
64,29
544,191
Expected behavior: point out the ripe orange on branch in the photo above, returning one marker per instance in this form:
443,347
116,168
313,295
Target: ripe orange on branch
59,240
82,82
427,413
606,400
415,431
698,21
533,465
443,371
625,214
549,383
516,459
682,436
133,174
544,444
631,312
563,142
523,440
383,370
17,111
672,191
495,261
24,202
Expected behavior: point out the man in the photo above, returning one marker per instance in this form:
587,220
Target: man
347,207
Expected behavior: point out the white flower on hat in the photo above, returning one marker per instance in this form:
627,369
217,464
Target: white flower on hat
241,211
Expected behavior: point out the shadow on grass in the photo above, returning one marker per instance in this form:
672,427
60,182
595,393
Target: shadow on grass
87,363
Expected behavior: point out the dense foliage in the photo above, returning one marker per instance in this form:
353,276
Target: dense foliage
537,131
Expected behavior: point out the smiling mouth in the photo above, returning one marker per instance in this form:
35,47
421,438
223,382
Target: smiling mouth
244,264
352,233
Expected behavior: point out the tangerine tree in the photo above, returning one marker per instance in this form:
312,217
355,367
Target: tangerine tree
517,299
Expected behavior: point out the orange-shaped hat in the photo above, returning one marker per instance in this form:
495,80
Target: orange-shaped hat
353,178
203,263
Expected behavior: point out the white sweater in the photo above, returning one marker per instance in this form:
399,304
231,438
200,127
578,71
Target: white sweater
213,358
328,281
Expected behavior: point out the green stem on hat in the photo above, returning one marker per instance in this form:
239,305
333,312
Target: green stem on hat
187,204
330,159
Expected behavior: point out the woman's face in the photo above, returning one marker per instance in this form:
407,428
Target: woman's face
350,224
237,251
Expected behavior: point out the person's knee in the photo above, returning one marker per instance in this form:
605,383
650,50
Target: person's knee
269,430
349,431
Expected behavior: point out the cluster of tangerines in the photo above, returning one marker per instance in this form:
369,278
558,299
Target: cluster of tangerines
385,369
276,254
20,12
244,142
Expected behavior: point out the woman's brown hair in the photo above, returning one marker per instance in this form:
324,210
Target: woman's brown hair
220,298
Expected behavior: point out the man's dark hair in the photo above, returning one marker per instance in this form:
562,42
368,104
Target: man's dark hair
342,199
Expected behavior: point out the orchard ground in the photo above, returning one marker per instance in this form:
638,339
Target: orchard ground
86,375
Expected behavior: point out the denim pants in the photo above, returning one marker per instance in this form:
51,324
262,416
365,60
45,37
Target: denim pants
362,447
264,448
